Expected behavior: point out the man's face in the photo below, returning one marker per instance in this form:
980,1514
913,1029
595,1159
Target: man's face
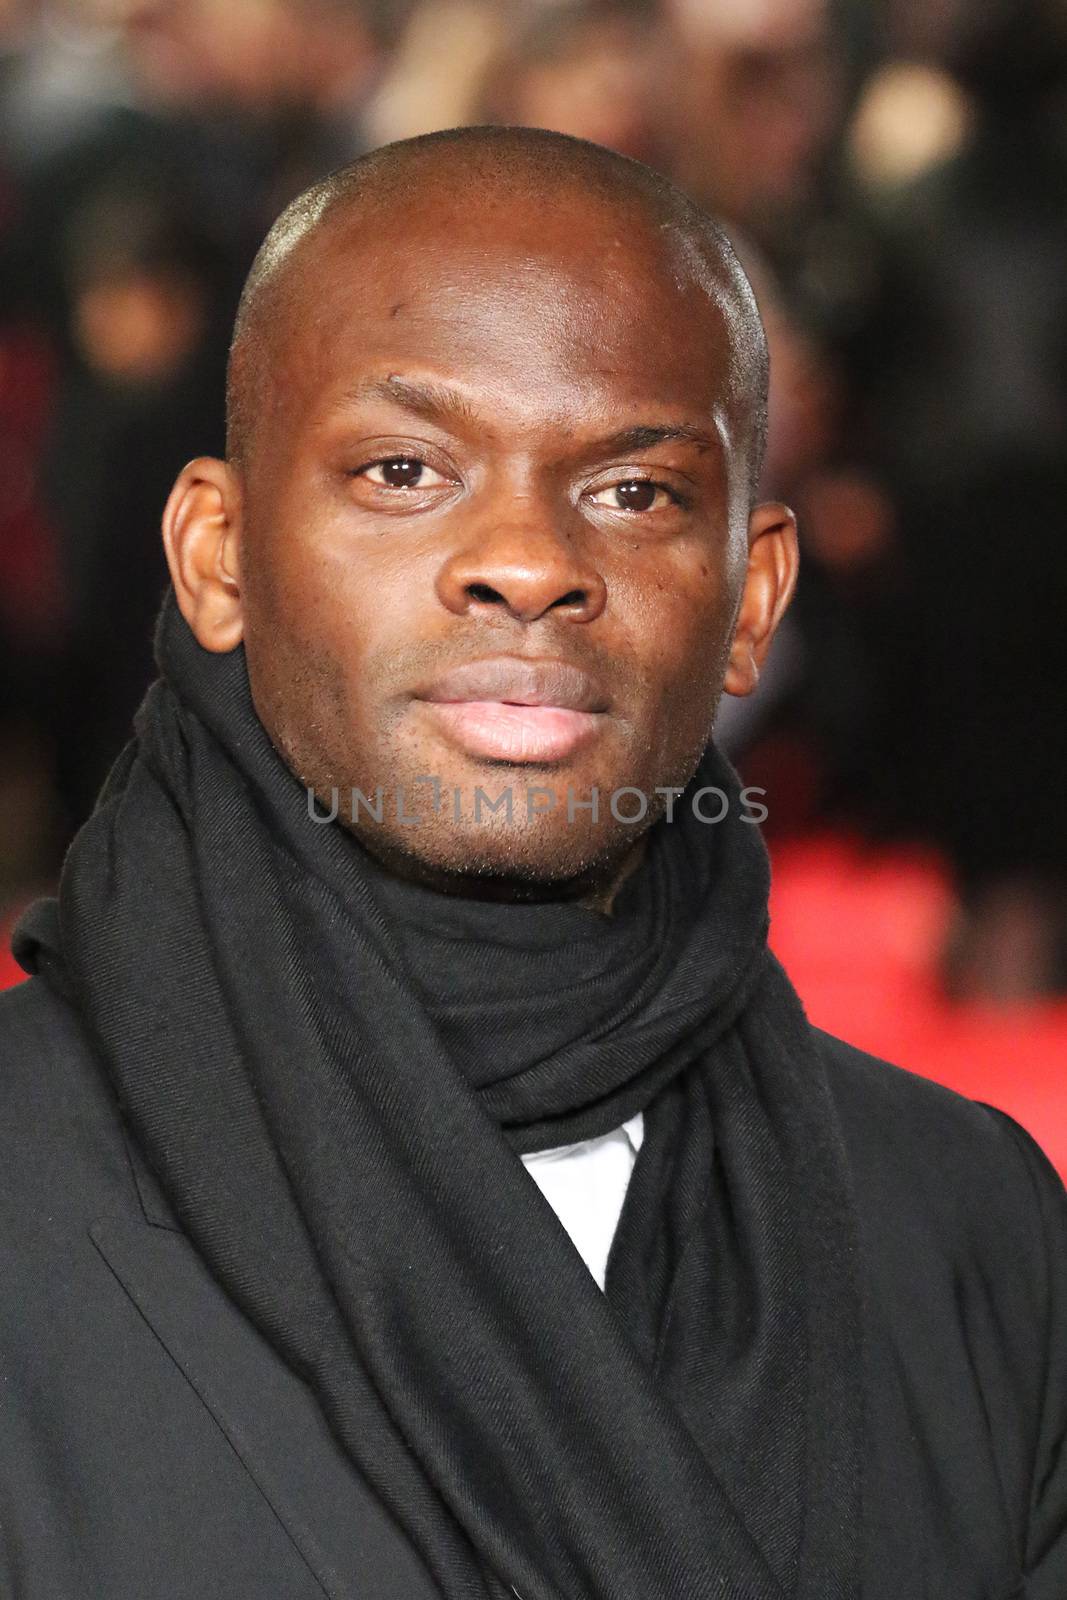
490,538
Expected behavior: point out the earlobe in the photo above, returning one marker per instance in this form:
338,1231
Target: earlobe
770,580
201,536
742,670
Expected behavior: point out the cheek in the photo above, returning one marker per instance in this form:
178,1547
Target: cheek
678,616
314,616
679,611
320,591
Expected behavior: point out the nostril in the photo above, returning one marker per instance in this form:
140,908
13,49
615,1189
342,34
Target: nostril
576,597
482,591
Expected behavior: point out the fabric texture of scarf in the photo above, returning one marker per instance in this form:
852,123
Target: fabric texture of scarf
332,1071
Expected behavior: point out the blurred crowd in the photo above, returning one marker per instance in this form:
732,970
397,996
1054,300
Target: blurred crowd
894,176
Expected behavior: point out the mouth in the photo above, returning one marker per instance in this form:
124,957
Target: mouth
508,708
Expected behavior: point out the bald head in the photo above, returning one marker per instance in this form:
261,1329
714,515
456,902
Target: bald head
505,171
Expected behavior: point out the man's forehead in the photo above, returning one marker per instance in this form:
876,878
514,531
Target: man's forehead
516,301
574,243
552,253
506,352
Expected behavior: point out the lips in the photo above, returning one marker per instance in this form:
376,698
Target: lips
508,708
518,681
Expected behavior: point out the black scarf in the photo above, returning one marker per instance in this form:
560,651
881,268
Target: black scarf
331,1073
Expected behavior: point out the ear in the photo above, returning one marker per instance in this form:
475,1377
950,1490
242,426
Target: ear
770,578
202,535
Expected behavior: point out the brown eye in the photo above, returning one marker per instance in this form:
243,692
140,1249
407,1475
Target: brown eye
637,494
402,472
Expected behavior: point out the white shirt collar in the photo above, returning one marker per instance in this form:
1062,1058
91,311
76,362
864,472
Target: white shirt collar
634,1131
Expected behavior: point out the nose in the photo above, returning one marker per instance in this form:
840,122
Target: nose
520,563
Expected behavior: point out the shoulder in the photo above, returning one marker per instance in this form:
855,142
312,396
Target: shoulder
44,1052
62,1147
894,1110
889,1112
944,1174
963,1234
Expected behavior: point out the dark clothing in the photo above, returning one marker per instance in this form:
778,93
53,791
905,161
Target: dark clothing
153,1445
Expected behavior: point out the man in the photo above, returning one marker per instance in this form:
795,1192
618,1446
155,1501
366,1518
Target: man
422,863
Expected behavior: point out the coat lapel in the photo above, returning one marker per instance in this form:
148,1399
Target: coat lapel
269,1416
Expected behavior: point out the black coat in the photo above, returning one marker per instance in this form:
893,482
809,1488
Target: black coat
153,1447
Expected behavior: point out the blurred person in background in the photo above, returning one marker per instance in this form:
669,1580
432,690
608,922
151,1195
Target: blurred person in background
583,69
32,833
231,105
752,95
822,733
141,383
959,368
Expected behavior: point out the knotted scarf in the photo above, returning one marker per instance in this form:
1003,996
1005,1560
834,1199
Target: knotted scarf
332,1074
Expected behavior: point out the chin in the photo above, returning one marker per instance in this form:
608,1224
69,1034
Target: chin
538,856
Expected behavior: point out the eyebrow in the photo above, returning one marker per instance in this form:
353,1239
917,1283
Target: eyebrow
438,402
643,438
431,401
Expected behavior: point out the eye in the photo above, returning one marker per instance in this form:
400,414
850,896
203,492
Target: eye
402,472
635,494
